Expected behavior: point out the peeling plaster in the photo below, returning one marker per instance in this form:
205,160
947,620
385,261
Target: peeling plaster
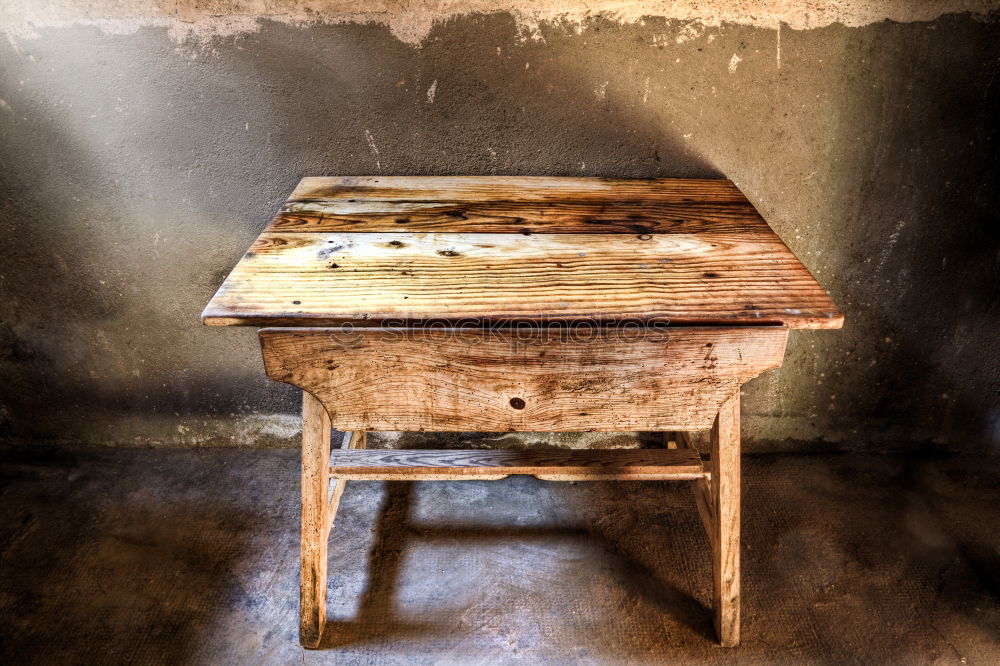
412,20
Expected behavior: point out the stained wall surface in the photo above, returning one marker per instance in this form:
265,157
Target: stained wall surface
142,150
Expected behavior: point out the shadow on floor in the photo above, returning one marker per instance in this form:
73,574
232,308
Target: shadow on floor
183,556
100,561
377,620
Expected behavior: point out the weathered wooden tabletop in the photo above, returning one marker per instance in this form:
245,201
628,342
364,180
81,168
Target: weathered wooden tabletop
375,249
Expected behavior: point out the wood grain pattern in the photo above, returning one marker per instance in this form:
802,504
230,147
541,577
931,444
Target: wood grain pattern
499,249
513,380
327,278
724,537
569,464
313,549
523,188
556,217
706,510
352,440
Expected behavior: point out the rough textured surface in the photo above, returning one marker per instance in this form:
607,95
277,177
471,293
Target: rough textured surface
503,249
412,20
113,556
136,171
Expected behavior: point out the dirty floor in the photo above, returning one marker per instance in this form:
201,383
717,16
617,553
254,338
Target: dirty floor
189,556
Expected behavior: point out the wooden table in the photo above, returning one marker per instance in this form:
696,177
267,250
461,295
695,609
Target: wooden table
520,304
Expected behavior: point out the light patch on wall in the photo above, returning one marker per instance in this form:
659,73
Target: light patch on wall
275,426
412,20
689,32
371,146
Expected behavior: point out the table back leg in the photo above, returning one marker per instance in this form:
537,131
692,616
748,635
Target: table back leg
315,523
725,519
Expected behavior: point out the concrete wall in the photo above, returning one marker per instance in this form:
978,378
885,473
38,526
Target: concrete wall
142,149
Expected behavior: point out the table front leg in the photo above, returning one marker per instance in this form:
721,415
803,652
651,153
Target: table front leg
724,495
315,520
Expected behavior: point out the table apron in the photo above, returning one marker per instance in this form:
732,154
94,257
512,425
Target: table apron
541,380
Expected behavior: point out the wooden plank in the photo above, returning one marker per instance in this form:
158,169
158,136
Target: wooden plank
725,534
313,550
521,188
702,488
513,380
524,217
301,279
703,499
677,440
575,464
352,440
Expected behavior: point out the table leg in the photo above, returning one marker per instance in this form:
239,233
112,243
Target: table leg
724,495
315,521
677,440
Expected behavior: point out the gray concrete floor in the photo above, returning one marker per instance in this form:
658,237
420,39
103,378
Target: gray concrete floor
190,556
